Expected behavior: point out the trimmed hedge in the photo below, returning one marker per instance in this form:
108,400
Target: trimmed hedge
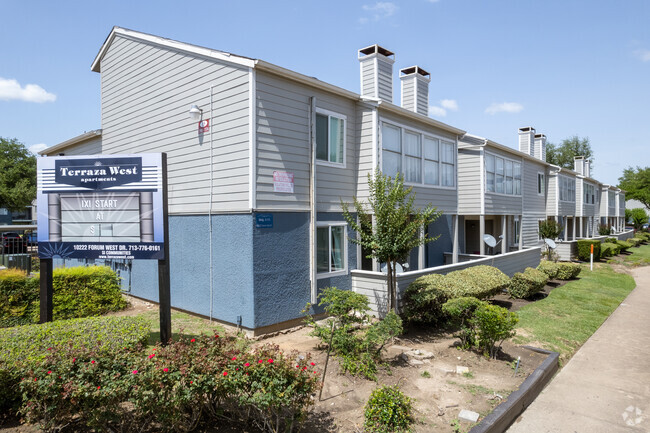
584,249
610,240
559,270
526,284
77,292
424,297
609,249
642,235
635,241
23,347
623,245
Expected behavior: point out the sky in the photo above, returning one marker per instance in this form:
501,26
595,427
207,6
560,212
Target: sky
565,67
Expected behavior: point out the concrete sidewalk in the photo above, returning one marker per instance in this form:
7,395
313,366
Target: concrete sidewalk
605,387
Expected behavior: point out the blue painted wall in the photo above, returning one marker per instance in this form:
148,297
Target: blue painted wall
443,227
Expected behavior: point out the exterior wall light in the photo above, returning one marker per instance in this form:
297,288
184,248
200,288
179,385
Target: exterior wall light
195,112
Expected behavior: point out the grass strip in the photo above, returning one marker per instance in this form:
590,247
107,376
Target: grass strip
640,256
572,313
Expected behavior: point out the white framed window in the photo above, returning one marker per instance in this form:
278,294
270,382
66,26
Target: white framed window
590,194
331,249
422,158
502,175
541,183
330,138
567,189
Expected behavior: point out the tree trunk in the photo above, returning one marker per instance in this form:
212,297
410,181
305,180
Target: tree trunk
394,291
389,274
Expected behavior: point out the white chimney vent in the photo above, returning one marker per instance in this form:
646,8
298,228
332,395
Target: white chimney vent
539,148
579,164
587,168
526,139
415,89
377,72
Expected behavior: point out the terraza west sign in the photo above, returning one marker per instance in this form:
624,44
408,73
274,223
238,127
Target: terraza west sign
101,207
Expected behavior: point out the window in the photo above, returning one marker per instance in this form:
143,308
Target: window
331,257
516,228
590,194
541,183
567,189
422,159
330,137
502,175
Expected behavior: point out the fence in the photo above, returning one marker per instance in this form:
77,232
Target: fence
568,250
373,284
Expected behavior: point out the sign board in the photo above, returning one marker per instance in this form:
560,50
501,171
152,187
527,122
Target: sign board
204,125
264,221
283,181
100,207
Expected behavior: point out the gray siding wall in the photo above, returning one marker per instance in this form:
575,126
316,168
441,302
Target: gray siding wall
469,181
89,147
282,109
146,94
534,204
408,93
385,77
621,203
444,199
580,199
368,78
551,196
365,129
423,97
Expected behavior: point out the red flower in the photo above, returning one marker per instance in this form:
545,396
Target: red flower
297,366
192,340
225,373
191,382
313,363
234,358
260,361
92,362
99,387
315,372
35,379
247,364
304,368
49,372
152,355
165,369
216,335
135,372
74,359
49,348
237,369
270,361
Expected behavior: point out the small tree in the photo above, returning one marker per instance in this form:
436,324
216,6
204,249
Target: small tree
17,175
638,217
397,227
636,183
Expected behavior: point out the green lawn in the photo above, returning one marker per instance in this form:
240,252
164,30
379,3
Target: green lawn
640,256
181,322
572,313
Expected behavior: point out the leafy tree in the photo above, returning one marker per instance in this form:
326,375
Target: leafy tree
17,175
397,226
563,155
639,217
636,183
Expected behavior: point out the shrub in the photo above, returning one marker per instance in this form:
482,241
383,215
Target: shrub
635,241
584,249
604,229
19,298
610,240
549,268
354,338
567,270
388,410
86,291
23,347
170,388
642,235
460,312
526,284
623,245
609,249
424,297
549,229
493,324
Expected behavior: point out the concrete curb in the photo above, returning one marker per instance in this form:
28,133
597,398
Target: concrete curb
505,413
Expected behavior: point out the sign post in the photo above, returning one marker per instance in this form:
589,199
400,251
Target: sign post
107,207
592,257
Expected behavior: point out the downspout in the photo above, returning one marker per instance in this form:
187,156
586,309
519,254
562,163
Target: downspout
312,200
210,211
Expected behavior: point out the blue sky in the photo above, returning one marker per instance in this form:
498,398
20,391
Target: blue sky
564,67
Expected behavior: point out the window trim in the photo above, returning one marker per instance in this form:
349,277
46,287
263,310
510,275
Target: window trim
343,117
569,179
505,176
423,134
329,225
543,184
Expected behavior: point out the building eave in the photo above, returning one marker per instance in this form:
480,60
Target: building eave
71,142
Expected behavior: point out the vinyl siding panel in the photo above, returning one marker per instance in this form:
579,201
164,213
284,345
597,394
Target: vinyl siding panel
385,80
534,204
469,181
89,147
444,199
282,109
365,129
423,97
552,196
146,93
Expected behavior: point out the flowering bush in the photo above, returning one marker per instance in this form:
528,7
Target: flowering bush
169,388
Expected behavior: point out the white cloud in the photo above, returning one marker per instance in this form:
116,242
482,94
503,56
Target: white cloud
449,104
504,107
437,111
35,148
643,55
378,11
11,89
